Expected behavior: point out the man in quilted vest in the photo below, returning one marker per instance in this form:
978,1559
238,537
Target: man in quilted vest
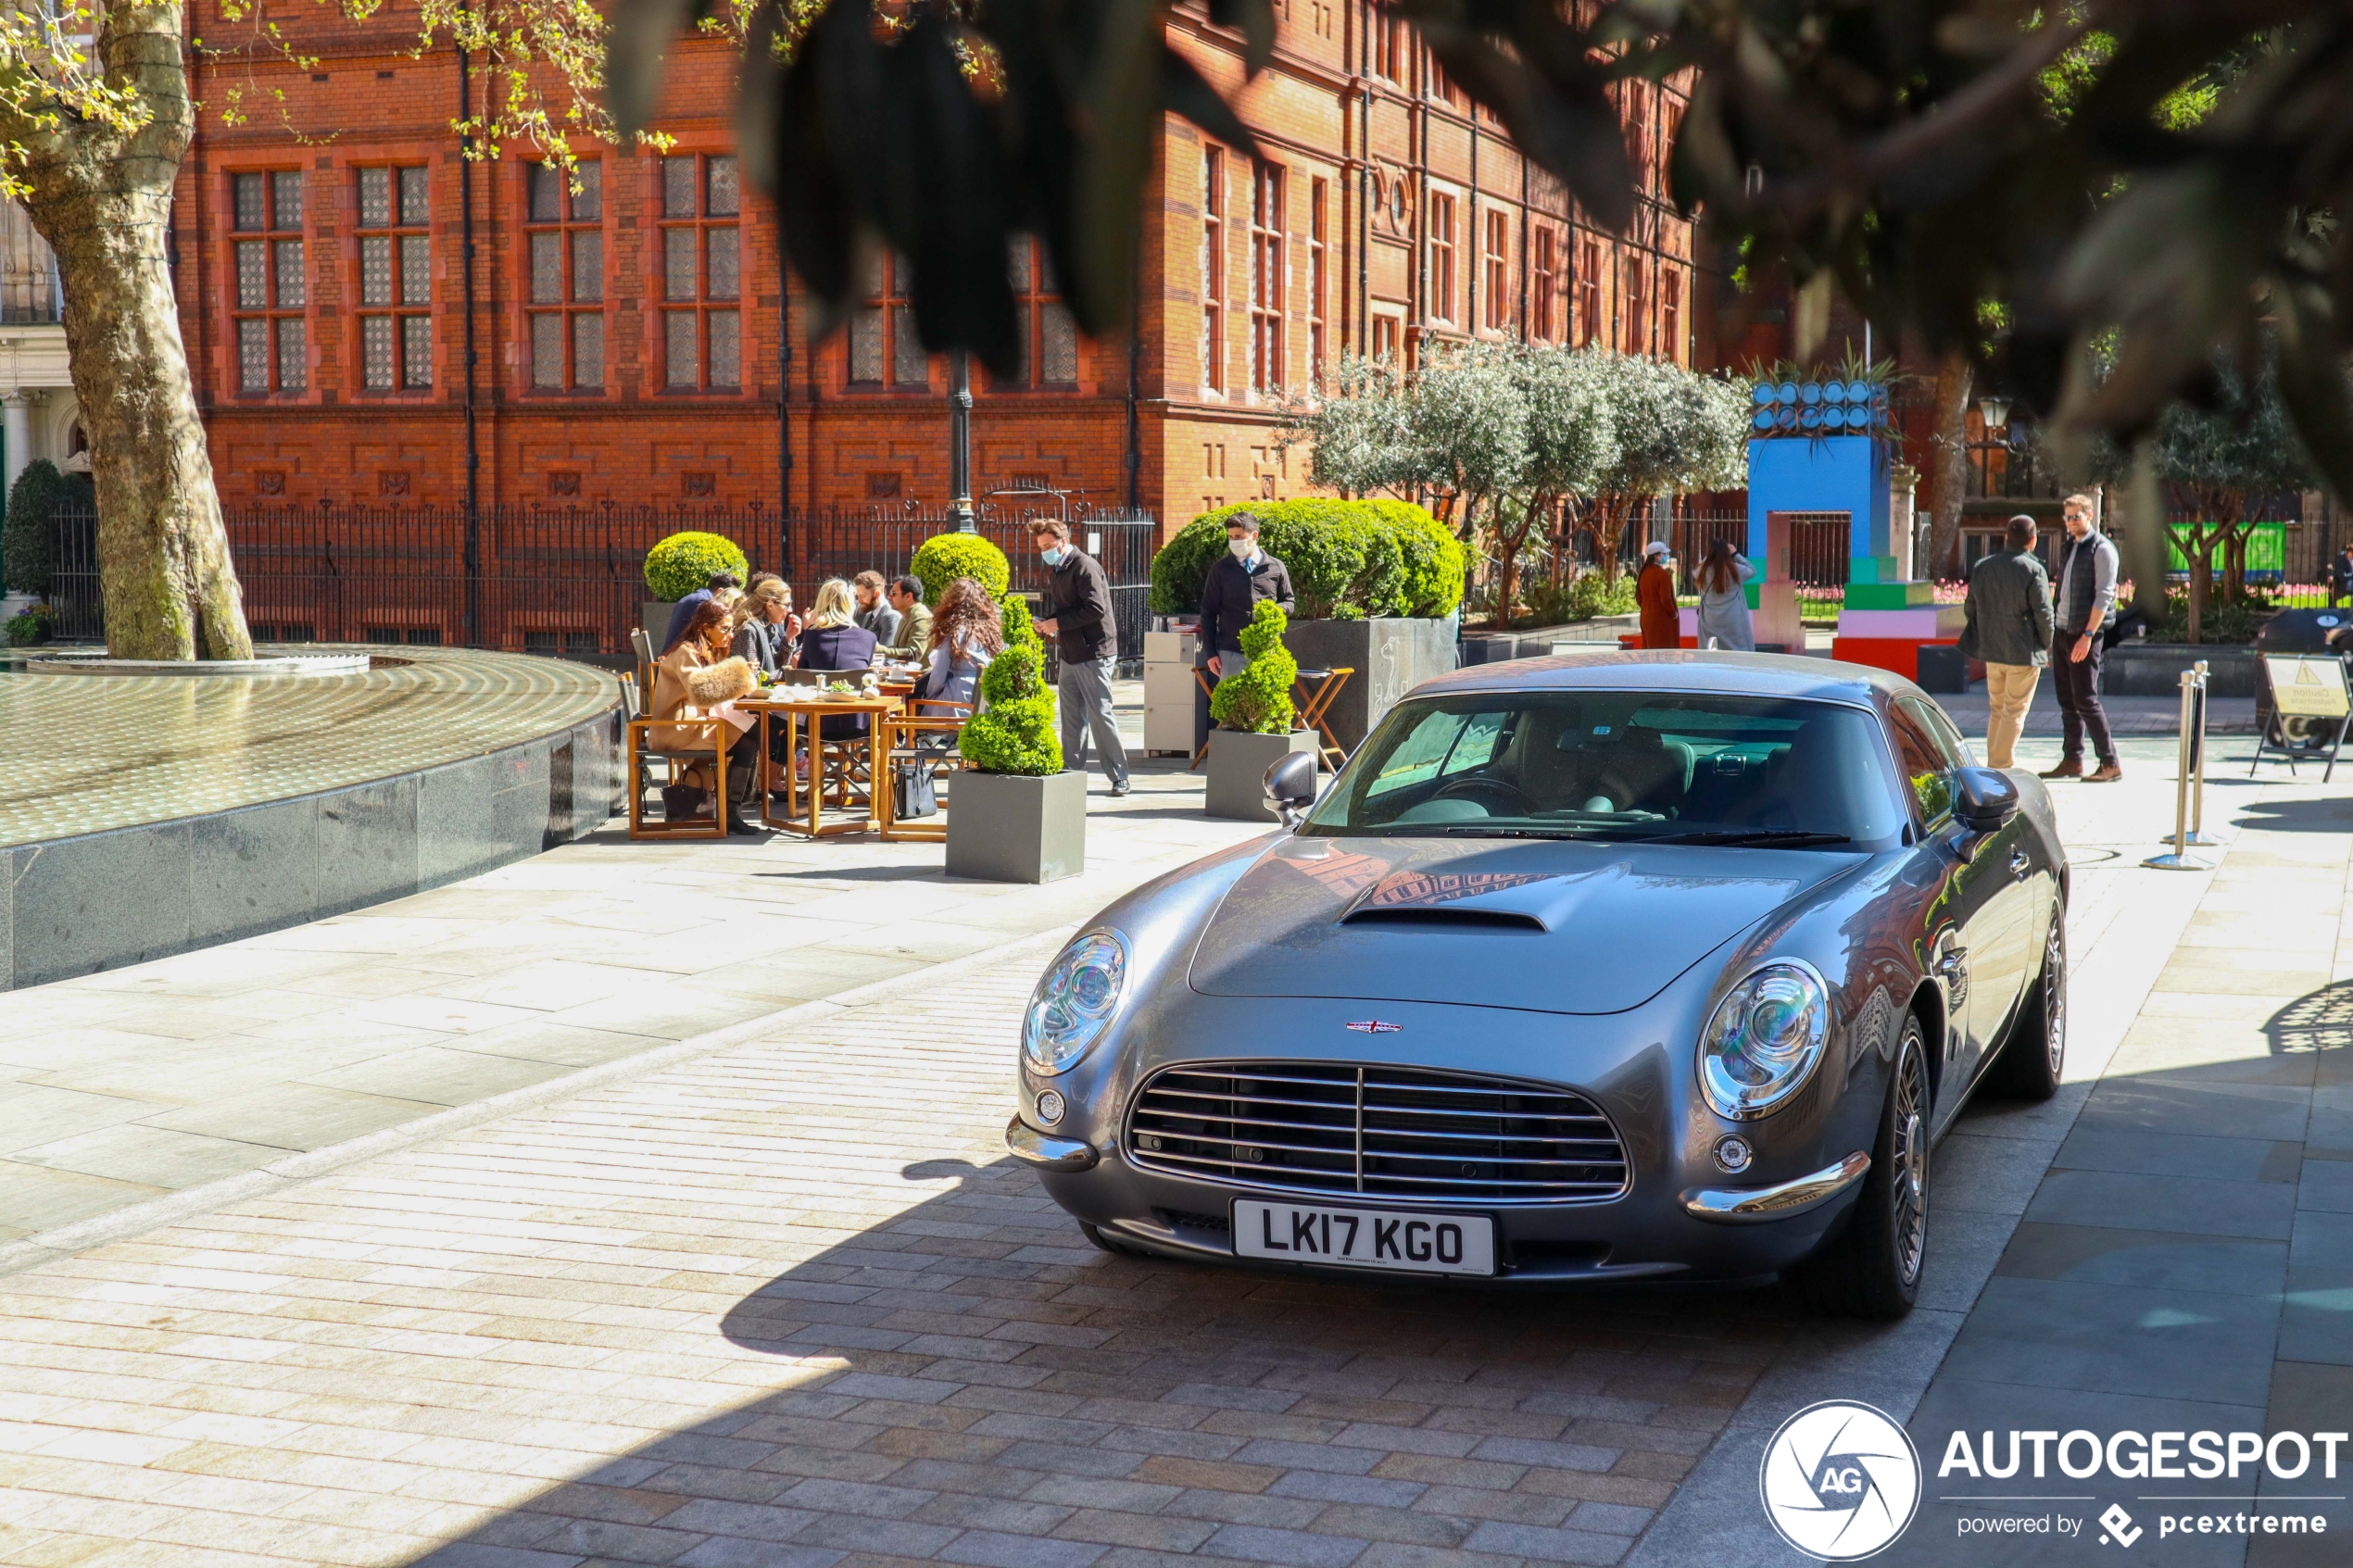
2086,597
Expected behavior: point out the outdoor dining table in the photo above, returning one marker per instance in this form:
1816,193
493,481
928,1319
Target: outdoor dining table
793,704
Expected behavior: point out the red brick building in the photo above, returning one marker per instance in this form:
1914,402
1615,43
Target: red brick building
625,337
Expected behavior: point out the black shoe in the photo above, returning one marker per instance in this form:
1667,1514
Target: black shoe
742,827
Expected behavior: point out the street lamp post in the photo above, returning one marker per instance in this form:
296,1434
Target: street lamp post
960,442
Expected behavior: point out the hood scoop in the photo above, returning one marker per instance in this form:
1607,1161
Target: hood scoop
1508,900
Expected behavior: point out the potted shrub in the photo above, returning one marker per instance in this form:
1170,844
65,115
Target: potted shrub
943,558
1253,714
1014,815
1378,584
680,564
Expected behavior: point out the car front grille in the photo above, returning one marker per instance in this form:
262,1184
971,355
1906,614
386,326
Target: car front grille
1390,1131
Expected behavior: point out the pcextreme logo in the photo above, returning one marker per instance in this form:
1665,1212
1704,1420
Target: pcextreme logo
1840,1480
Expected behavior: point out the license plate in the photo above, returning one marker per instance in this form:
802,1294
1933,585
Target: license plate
1364,1238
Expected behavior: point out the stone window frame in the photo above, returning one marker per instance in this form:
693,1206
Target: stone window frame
714,308
584,214
275,317
405,236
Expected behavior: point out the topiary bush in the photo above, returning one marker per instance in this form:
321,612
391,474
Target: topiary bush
1014,732
1259,699
27,538
684,562
1348,560
943,558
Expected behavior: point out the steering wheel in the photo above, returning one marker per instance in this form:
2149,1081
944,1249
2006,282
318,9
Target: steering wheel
1488,790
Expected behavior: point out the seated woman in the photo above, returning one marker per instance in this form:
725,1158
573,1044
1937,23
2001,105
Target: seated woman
832,639
696,679
965,635
766,625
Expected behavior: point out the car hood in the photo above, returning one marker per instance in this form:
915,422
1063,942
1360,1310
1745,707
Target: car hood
1549,926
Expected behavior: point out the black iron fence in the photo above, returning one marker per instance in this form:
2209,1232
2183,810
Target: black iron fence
565,581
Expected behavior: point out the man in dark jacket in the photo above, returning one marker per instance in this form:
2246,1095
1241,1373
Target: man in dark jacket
1078,616
1238,581
2085,598
2009,628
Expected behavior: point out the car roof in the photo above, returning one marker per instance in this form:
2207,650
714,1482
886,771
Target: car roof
1746,674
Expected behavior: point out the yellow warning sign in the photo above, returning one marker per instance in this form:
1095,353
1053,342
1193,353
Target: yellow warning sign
2307,686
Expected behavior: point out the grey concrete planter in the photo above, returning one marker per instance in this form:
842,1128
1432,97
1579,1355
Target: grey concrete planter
1390,656
2155,669
1237,764
1013,827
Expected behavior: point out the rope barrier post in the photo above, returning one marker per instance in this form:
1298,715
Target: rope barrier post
2196,838
2179,859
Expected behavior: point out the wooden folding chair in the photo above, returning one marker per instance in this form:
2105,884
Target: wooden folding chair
678,742
903,734
1316,705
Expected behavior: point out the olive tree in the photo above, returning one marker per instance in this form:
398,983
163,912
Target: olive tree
1678,433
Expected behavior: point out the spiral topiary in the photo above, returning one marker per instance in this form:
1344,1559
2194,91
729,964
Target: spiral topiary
1259,699
943,558
1014,732
684,562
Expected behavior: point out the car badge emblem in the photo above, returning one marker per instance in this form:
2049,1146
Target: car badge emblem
1374,1026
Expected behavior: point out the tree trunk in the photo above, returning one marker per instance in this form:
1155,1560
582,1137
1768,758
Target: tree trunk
1955,379
102,198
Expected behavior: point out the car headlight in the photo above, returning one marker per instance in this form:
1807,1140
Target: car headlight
1074,1000
1763,1040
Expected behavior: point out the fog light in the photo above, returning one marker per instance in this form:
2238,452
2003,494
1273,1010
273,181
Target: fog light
1049,1107
1732,1154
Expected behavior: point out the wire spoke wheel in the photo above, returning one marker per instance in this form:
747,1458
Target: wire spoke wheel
1910,1159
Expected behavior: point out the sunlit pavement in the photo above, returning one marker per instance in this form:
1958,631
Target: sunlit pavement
784,1302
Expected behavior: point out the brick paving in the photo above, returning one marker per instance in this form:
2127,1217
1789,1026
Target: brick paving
788,1305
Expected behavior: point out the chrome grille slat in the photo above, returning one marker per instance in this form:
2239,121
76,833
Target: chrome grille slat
1390,1131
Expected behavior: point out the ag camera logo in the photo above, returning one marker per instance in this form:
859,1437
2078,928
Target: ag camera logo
1840,1480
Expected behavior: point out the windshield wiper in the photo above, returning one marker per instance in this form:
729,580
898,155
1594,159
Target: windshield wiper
1783,838
1439,830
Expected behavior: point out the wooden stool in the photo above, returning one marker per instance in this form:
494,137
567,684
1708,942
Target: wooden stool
1316,705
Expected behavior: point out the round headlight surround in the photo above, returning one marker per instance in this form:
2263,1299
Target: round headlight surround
1074,1002
1765,1039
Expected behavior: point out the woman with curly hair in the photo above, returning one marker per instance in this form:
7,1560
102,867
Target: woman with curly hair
965,635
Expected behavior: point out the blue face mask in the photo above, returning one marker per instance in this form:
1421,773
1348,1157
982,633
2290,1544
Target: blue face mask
1051,555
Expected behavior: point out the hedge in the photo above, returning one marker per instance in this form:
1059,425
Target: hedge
1348,560
943,558
1014,732
28,538
684,562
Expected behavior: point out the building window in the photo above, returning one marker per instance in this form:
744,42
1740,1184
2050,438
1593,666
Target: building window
272,344
1269,278
1385,338
1671,316
565,234
1589,294
1547,280
1318,272
1637,322
701,325
396,279
884,349
1442,255
1499,262
1048,331
1212,269
1392,47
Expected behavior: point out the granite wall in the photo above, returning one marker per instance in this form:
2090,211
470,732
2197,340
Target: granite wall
101,900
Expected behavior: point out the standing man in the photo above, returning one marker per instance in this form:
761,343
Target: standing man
906,596
1078,616
1655,596
873,614
2009,628
2087,597
1237,582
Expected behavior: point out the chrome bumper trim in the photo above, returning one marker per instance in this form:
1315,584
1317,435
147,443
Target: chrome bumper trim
1748,1206
1035,1147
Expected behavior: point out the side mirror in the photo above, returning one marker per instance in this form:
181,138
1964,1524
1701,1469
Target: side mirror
1290,786
1983,799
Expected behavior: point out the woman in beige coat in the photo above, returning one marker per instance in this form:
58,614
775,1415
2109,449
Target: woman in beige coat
698,680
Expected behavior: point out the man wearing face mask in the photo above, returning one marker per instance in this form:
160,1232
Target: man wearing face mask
1238,581
1078,616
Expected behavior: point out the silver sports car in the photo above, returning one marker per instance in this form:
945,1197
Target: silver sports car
1600,968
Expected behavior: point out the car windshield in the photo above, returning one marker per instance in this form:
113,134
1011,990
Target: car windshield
1680,767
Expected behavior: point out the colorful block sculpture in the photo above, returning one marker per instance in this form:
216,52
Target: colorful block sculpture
1822,448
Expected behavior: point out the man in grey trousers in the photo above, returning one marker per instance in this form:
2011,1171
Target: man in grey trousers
1078,616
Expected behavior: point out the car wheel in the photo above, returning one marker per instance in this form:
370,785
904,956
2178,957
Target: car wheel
1874,1269
2035,1054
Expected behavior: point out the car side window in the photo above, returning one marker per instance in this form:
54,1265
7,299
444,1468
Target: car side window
1939,728
1925,766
